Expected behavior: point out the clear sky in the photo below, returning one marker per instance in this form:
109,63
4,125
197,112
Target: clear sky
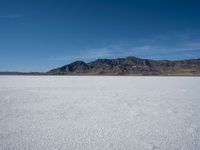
38,35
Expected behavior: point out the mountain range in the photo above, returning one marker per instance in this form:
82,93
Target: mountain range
124,66
130,66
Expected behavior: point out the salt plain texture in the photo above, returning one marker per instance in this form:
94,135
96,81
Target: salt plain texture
104,113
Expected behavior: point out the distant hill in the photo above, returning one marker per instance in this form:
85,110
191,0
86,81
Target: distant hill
130,66
21,73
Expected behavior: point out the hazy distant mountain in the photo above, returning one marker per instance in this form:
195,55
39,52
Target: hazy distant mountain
21,73
130,66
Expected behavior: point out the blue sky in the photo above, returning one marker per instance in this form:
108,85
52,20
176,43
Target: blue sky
37,35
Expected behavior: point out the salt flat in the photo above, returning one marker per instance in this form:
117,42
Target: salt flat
104,113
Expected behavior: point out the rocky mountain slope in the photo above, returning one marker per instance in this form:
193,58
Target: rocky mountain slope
130,66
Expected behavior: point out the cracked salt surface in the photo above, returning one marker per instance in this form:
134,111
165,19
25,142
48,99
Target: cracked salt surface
104,113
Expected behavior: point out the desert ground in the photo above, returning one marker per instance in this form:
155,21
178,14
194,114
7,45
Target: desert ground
99,113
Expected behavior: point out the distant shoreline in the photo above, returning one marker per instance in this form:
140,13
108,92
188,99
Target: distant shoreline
98,75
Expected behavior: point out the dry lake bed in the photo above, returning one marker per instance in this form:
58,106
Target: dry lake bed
99,113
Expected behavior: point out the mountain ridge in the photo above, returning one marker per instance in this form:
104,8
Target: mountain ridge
130,65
